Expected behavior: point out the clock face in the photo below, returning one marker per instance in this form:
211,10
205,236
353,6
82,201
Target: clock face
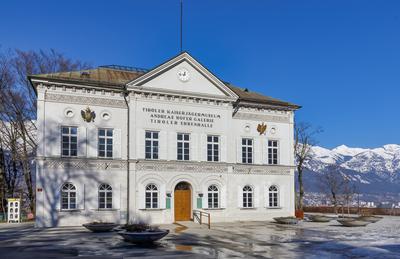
183,75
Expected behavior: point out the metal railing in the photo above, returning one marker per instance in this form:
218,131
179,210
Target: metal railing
198,215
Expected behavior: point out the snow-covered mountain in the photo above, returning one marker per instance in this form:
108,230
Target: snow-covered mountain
373,170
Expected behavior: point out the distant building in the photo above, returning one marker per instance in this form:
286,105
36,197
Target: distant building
120,144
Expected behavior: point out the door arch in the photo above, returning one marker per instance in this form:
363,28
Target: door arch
183,201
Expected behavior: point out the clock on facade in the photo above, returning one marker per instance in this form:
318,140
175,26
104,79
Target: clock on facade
183,75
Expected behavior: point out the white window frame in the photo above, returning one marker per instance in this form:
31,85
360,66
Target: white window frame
105,189
152,197
185,154
213,197
247,151
107,146
71,195
248,197
273,196
152,138
273,152
72,152
213,151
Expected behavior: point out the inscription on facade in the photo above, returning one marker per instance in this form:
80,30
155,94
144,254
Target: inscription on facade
180,117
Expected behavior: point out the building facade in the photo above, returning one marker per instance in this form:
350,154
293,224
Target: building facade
121,144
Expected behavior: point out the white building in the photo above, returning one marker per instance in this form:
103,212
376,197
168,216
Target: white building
121,144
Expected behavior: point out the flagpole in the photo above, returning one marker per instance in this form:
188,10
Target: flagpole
181,26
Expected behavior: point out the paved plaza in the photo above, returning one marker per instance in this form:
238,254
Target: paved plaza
225,240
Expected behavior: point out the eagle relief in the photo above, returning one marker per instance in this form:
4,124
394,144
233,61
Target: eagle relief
261,128
88,115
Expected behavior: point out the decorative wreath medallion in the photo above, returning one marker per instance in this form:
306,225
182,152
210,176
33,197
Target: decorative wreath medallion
261,128
88,115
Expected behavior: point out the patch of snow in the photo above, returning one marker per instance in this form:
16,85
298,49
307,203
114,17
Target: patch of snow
348,151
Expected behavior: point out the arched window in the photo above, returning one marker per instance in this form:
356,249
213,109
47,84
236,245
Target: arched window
68,196
273,196
213,197
247,197
105,196
151,196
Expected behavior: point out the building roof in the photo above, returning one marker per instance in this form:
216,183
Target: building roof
118,76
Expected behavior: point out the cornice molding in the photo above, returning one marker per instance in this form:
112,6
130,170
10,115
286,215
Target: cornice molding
261,117
206,167
163,166
84,163
85,100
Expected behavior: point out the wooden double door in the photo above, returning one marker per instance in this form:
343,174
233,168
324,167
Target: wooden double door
182,202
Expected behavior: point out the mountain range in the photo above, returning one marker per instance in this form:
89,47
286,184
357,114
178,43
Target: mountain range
374,171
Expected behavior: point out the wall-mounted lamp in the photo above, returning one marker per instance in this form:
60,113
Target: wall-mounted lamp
200,195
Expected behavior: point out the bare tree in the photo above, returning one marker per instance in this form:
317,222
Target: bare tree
348,191
332,184
18,112
304,139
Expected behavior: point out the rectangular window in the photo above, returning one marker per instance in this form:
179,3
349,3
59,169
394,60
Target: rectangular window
212,148
183,146
151,144
272,152
247,151
69,140
105,147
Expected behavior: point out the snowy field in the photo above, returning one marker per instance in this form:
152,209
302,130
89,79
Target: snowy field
228,240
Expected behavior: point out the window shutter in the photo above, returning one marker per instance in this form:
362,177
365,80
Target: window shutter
141,197
53,146
117,148
162,197
92,142
203,147
266,196
82,142
57,197
240,196
223,149
80,199
281,197
257,151
116,196
205,199
239,150
223,197
264,148
140,143
163,145
172,146
194,147
256,198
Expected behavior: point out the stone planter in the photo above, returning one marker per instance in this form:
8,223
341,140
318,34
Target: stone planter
148,236
371,219
100,227
352,222
319,218
287,220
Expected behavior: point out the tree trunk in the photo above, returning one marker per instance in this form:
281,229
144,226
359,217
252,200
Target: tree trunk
334,202
301,187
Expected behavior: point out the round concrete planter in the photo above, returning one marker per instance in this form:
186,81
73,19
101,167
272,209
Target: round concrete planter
148,236
287,220
352,222
319,218
100,227
371,219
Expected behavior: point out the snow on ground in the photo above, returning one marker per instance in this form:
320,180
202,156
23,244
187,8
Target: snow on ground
224,240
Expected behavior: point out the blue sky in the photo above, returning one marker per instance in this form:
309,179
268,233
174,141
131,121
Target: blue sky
340,60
